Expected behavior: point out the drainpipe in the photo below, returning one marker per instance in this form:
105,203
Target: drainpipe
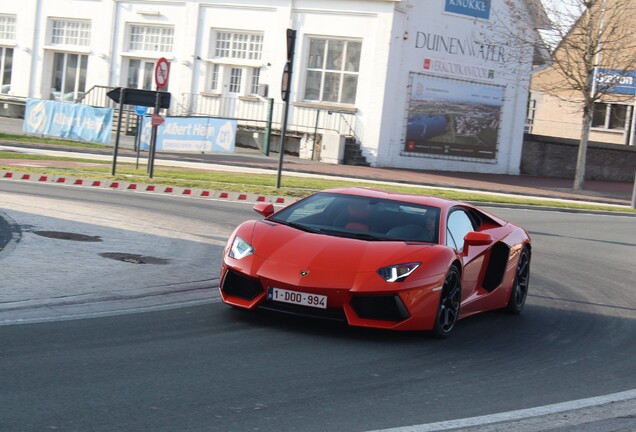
111,55
34,46
195,61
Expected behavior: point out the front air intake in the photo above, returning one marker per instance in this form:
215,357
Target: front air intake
238,285
380,307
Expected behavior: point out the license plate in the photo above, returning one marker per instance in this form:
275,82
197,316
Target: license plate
299,298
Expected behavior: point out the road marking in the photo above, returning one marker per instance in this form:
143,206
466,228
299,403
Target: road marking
518,414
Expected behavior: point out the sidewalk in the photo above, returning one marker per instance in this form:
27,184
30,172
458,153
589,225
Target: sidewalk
605,192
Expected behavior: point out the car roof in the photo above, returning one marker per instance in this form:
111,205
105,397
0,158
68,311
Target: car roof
395,196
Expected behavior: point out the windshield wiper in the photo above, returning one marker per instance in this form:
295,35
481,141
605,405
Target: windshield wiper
295,225
348,234
365,236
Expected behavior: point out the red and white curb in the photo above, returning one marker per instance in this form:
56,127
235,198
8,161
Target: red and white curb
146,187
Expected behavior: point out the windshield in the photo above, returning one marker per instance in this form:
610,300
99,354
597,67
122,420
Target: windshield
362,217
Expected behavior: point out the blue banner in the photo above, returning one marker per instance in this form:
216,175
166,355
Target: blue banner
191,134
621,82
473,8
68,120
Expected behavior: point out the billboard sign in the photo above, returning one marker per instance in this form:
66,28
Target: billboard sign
190,134
68,120
471,8
453,118
616,81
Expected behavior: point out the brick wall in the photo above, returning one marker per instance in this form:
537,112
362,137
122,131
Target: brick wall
556,157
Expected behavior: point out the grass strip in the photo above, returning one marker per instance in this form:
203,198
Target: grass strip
45,140
264,183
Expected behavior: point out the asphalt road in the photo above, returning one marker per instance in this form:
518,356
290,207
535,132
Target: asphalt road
210,367
48,278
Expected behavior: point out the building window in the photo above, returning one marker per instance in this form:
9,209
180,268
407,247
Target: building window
214,77
7,27
332,70
71,33
227,77
69,76
610,116
248,46
232,78
6,67
236,75
156,39
530,115
141,74
256,73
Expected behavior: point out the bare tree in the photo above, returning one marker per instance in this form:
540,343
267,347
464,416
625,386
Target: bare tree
593,36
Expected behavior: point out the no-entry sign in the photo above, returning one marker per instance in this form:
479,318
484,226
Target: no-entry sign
162,70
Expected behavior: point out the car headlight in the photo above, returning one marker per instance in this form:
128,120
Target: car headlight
240,248
398,272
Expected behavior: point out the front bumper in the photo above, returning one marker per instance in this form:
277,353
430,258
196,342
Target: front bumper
396,306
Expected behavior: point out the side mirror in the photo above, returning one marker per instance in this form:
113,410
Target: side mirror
475,238
264,209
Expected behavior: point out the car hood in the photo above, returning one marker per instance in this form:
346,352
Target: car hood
280,244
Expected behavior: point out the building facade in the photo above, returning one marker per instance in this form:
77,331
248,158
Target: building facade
435,84
607,77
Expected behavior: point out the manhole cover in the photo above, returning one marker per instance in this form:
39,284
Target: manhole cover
61,235
133,258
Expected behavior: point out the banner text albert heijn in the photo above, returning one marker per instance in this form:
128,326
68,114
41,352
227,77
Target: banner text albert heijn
68,120
191,134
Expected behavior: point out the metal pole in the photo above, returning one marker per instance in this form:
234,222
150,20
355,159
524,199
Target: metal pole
631,142
632,130
634,193
137,144
286,92
313,147
283,139
122,92
268,131
153,139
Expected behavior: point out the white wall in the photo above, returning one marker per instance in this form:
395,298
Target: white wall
388,30
511,71
372,25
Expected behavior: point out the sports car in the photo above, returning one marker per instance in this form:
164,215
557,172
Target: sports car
377,259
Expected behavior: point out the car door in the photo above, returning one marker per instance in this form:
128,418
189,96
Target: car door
459,224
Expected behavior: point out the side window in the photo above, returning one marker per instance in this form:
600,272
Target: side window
459,224
449,239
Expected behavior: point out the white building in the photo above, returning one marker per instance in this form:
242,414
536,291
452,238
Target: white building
421,84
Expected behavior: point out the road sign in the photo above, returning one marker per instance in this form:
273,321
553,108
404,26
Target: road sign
140,110
284,84
162,71
291,43
145,98
285,80
156,120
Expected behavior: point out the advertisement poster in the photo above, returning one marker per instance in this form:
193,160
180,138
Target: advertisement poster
68,120
191,134
453,117
616,81
471,8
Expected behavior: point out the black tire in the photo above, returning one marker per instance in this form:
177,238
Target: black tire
519,291
449,304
